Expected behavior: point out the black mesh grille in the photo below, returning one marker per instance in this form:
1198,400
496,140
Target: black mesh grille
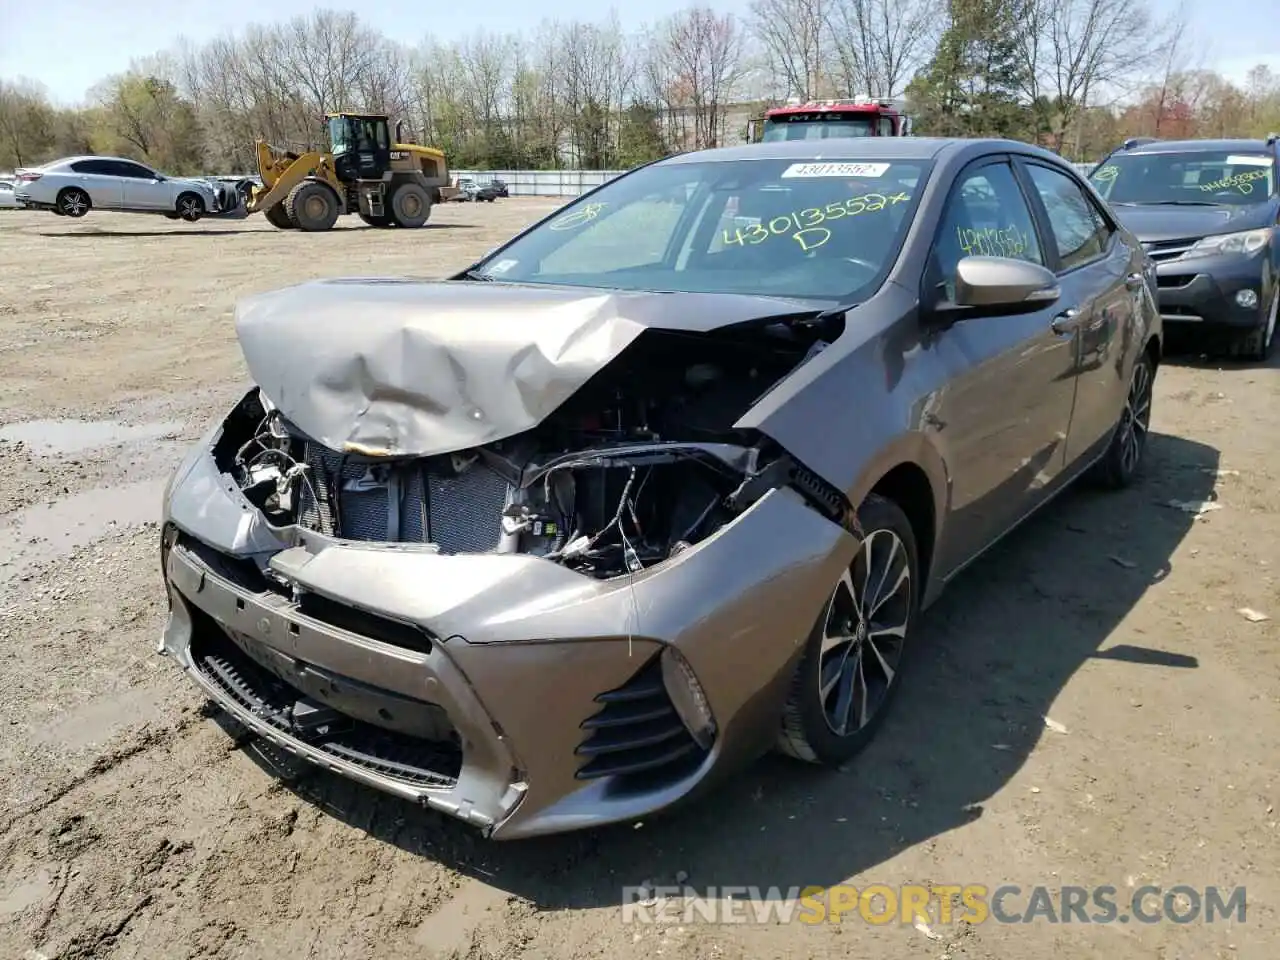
637,732
410,760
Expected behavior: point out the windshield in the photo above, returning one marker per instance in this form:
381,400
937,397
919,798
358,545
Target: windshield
347,134
804,126
765,227
1202,177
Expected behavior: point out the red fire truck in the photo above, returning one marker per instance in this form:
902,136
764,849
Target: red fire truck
820,119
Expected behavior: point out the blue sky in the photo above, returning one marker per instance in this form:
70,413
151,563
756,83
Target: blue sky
1229,35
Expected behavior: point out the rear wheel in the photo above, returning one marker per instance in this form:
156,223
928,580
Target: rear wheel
73,202
851,666
278,216
1122,463
312,206
410,205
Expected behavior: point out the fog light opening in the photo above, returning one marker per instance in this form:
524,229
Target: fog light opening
687,697
1247,298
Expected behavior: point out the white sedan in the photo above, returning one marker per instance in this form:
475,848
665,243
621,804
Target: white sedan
76,185
7,202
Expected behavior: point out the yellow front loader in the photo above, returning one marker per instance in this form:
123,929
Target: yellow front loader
387,184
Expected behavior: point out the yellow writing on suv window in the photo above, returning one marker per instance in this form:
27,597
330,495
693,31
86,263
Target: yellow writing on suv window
994,242
1241,181
805,226
576,218
1107,173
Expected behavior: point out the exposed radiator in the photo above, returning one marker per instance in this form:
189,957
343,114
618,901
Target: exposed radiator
419,501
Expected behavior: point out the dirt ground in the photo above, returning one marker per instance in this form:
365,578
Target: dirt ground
133,826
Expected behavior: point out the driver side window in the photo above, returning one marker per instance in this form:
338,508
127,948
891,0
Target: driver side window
986,216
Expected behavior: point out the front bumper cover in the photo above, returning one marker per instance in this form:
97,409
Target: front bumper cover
521,650
1203,290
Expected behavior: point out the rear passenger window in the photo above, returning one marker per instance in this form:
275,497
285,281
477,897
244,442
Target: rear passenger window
90,166
1079,230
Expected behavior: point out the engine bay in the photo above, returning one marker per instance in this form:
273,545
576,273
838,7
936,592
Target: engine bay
640,463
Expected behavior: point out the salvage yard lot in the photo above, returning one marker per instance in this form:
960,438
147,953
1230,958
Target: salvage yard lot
131,825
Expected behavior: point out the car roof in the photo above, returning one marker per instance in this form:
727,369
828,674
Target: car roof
855,148
1200,146
94,156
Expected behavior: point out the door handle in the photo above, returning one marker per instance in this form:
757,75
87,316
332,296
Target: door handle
1134,281
1067,321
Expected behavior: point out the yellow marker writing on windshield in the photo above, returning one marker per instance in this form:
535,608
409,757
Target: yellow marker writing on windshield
577,218
1107,174
1242,182
805,226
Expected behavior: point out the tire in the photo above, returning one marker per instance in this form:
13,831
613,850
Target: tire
191,207
73,202
410,205
313,206
278,217
1126,454
812,727
1256,344
382,221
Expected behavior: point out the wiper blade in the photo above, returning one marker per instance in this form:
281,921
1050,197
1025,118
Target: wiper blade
1180,203
477,275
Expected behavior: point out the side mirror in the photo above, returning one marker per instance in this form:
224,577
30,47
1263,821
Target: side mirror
1004,284
399,131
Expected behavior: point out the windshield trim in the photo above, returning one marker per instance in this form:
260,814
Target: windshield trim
926,166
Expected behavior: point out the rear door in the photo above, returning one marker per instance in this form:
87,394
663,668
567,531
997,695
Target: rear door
1005,417
1102,286
99,180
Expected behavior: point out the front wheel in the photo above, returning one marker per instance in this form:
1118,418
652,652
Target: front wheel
1256,344
853,660
190,207
278,217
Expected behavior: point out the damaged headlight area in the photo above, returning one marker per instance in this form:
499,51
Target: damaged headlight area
636,466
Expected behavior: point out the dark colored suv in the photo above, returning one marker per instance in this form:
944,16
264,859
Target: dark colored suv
1207,212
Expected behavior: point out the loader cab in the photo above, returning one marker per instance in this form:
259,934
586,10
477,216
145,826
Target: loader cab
361,146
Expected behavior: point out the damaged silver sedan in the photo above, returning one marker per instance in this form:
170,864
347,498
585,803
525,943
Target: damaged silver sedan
657,485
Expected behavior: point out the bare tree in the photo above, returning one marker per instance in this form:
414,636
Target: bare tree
704,50
796,36
879,44
1077,50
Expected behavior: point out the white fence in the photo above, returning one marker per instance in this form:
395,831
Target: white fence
543,183
572,183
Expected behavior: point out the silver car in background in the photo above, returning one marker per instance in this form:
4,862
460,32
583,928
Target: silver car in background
7,202
74,186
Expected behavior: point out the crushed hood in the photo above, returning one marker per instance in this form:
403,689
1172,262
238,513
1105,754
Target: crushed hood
414,368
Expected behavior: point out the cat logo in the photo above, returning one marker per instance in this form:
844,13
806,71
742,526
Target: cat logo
399,154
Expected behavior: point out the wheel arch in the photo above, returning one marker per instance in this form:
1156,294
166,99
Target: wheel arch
912,473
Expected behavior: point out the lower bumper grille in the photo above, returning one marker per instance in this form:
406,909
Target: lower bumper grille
396,756
457,506
637,732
